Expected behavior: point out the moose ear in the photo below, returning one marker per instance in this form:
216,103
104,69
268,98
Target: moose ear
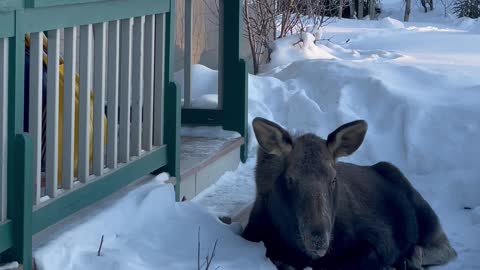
272,138
347,139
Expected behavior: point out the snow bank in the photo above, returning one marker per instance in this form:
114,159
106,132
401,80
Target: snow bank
390,23
296,47
9,266
205,84
423,119
422,106
469,24
148,230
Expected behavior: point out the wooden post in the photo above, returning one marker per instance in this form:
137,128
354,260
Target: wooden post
20,200
235,78
20,152
187,79
221,43
3,126
172,103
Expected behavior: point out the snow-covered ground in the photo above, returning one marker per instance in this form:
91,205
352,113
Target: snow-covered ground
416,84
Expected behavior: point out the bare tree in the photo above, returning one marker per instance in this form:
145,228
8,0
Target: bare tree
408,4
340,8
360,9
371,9
269,20
353,10
447,4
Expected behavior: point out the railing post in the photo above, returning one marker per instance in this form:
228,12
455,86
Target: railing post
172,133
20,151
235,78
187,61
221,43
172,104
20,200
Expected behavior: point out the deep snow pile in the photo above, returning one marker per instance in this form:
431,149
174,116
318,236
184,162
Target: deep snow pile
422,106
419,90
147,230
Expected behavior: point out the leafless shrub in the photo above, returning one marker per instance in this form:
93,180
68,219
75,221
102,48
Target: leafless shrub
209,258
269,20
447,4
99,252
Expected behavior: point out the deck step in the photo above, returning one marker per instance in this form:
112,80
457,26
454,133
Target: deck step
204,160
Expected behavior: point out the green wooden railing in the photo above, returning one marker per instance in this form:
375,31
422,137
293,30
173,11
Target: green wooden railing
23,218
25,215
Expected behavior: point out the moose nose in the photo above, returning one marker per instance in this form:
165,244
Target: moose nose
319,240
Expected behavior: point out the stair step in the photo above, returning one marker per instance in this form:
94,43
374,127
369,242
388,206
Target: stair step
204,160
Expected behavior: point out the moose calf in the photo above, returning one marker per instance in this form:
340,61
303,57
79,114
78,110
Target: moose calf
311,210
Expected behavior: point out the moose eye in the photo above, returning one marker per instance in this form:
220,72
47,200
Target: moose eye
334,181
289,181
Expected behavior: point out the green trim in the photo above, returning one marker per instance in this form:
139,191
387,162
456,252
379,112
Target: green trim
172,133
48,3
92,192
42,19
202,117
7,24
235,81
16,81
6,240
19,206
172,103
10,5
170,44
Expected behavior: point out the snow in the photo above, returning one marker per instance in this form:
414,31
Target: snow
205,84
147,230
390,23
287,50
472,25
419,90
12,265
416,84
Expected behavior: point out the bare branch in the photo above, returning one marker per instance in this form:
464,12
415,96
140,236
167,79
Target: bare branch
100,247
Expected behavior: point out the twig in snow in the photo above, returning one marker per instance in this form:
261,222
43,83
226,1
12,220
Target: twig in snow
100,247
330,40
209,258
198,250
298,42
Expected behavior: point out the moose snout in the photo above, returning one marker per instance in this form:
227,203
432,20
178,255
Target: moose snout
317,244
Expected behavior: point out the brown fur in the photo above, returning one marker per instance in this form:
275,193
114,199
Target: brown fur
311,210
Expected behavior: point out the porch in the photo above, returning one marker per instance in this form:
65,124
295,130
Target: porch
88,106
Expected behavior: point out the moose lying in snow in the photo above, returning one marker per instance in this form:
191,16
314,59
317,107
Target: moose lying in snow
311,210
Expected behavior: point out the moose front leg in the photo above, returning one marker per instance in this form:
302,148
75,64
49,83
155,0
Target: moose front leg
256,227
366,259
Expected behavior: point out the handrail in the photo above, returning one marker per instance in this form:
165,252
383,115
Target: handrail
22,213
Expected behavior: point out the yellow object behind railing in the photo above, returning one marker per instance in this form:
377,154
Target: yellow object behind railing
60,118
